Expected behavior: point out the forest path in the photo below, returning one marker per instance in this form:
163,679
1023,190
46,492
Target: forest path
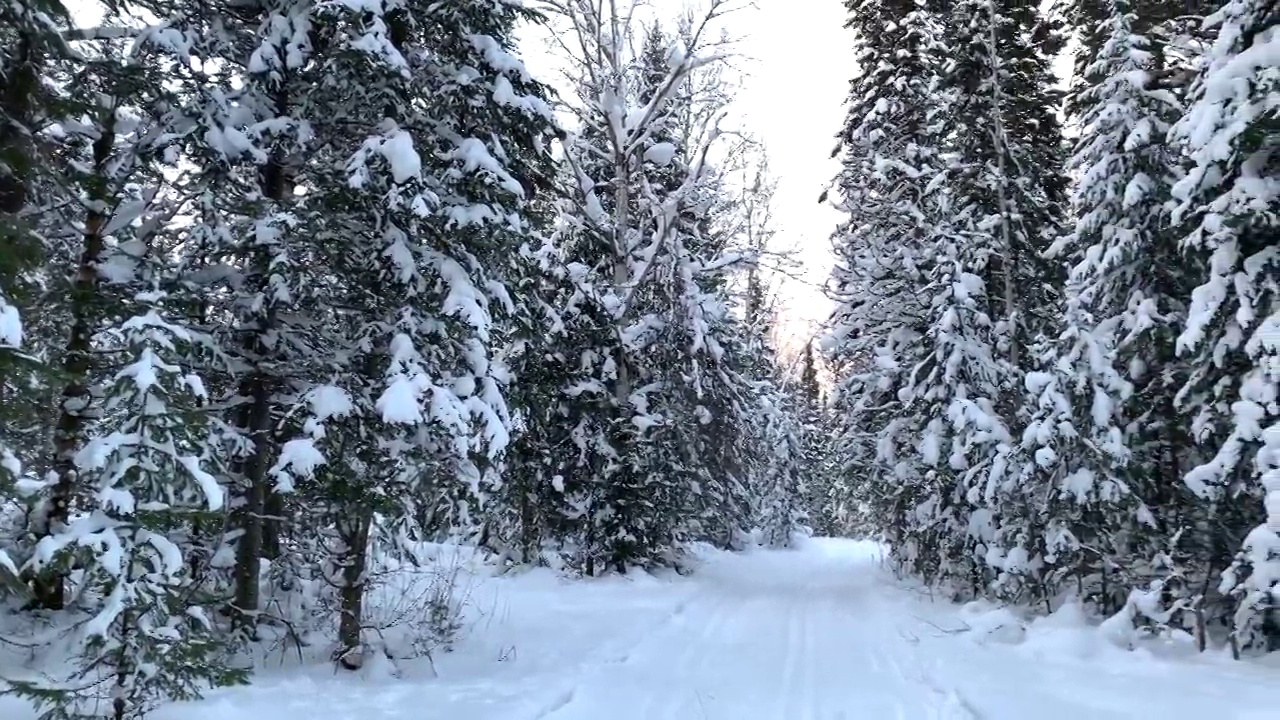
824,633
805,635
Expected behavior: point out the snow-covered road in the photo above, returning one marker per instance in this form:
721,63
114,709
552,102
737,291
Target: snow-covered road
822,634
818,633
775,635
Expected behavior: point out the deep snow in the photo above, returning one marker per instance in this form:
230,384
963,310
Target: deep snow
818,633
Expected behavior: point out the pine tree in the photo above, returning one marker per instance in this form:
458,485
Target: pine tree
146,636
128,470
1101,408
809,389
948,295
781,487
1227,201
97,148
651,397
1002,192
417,206
774,458
889,152
29,42
821,495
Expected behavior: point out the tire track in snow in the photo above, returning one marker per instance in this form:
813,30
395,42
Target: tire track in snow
651,650
610,653
693,658
787,648
809,709
791,657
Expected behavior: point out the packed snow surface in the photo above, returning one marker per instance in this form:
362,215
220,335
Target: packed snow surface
816,633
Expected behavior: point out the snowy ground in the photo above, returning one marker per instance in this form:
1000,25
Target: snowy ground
813,634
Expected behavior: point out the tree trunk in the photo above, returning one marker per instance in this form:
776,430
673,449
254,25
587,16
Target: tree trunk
272,524
16,152
621,261
352,558
255,418
124,667
255,421
77,406
1105,599
1008,261
528,531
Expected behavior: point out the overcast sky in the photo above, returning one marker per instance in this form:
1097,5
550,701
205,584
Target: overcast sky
802,61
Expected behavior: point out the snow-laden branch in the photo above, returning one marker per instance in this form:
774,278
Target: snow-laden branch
668,210
620,117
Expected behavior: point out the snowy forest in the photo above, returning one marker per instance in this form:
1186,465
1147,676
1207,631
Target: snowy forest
1058,339
296,294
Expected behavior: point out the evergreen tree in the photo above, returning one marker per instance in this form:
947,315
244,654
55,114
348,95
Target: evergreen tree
1101,429
145,635
948,295
775,457
414,206
129,477
822,499
1002,193
809,389
1227,201
312,229
29,42
653,400
884,251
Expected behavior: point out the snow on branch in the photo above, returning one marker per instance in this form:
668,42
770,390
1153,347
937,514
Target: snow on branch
626,122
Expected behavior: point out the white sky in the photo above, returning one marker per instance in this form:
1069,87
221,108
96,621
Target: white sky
793,100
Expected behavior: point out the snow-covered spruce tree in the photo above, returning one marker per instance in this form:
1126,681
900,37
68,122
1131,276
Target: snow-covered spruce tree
573,431
642,268
991,292
103,116
531,510
127,480
10,464
1228,201
777,465
666,445
142,634
820,498
544,501
30,39
1103,432
780,487
773,460
273,318
12,397
519,517
884,252
94,143
413,205
809,388
1158,22
231,265
712,248
29,42
849,453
